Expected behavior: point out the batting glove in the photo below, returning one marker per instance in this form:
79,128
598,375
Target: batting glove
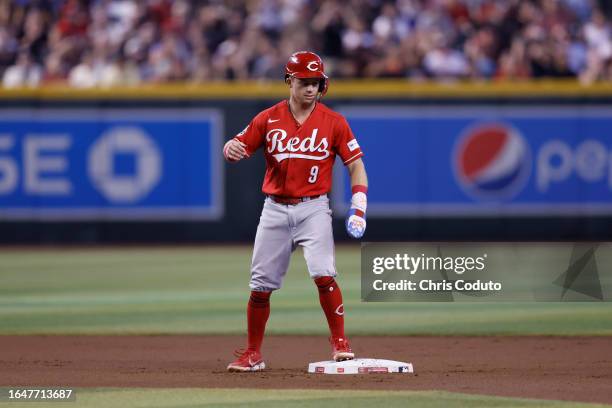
356,219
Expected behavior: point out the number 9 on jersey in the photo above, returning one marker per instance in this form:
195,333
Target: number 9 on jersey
314,172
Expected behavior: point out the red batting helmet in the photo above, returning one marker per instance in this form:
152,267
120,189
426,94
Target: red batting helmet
306,64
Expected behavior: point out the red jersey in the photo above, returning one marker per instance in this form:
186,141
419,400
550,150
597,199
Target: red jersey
300,158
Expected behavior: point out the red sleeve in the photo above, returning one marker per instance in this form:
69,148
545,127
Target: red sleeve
253,135
345,143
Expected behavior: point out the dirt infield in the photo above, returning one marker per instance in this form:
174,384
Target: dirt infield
565,368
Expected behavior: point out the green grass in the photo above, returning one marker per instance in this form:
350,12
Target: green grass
204,290
186,397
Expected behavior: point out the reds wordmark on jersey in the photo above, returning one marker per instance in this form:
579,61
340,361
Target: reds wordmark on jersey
300,158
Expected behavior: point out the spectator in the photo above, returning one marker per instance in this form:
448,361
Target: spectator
389,26
597,35
25,72
119,42
34,38
83,75
445,63
73,19
120,71
54,71
8,48
513,62
329,24
356,36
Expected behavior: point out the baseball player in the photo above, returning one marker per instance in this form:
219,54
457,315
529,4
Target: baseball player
300,138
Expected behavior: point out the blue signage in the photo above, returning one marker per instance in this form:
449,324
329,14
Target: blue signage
483,161
145,164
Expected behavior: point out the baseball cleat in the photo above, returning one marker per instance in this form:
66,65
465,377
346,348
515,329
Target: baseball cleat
247,361
341,349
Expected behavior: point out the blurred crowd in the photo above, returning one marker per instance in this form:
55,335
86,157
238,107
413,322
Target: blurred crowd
126,42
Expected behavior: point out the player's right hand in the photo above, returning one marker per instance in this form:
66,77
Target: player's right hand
355,224
234,150
356,218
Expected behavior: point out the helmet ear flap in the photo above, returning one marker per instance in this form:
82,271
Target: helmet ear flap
323,85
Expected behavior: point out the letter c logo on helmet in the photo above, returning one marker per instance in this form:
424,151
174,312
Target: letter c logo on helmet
306,64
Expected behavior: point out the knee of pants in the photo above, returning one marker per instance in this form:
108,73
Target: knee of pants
328,274
318,269
264,284
262,288
320,264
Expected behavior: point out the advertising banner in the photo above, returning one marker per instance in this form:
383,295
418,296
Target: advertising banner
483,161
96,164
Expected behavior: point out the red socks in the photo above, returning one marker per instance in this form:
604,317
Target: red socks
330,297
258,311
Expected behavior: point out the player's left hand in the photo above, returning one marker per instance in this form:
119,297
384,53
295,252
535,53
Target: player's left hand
355,224
356,219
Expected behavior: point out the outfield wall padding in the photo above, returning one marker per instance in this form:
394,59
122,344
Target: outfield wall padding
144,165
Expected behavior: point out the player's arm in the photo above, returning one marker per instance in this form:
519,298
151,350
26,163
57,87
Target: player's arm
350,152
356,219
358,173
246,142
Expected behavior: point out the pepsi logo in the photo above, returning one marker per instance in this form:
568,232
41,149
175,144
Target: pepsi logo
492,161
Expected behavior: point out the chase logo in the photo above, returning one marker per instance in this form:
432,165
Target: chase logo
128,164
492,162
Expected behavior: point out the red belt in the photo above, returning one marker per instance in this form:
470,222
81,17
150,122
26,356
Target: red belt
292,200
